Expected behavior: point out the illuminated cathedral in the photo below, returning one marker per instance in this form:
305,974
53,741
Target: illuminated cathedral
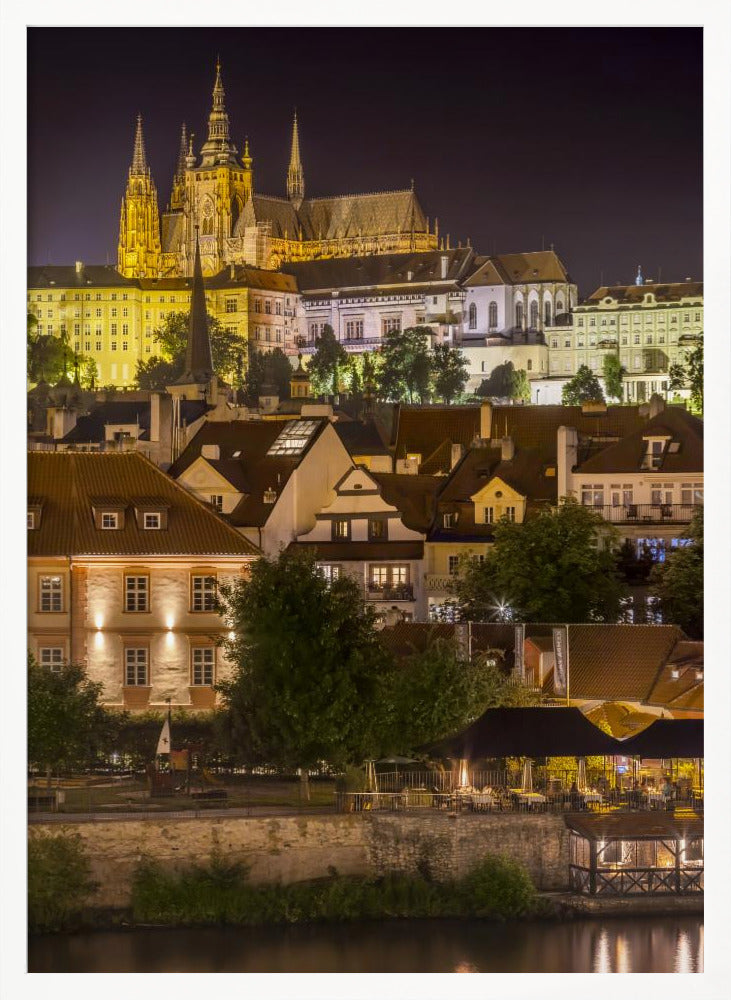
213,194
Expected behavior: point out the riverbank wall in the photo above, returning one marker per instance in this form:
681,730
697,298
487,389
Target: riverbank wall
298,848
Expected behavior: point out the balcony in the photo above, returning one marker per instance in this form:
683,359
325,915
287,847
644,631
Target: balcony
440,583
385,592
641,513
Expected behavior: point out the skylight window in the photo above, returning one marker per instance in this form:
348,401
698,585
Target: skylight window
294,438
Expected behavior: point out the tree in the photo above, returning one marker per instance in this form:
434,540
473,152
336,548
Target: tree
450,371
582,388
676,377
694,369
678,582
552,568
325,363
405,364
505,382
280,371
613,373
307,679
47,357
438,691
67,726
172,339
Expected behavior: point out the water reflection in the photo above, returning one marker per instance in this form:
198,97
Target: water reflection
664,944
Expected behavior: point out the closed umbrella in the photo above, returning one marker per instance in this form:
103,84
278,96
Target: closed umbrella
581,779
371,780
528,775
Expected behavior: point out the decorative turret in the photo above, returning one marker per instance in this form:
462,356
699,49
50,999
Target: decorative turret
138,252
177,197
246,158
295,174
639,280
218,148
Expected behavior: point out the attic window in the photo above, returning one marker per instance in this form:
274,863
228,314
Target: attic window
357,486
151,521
270,496
110,521
674,447
294,438
237,454
31,520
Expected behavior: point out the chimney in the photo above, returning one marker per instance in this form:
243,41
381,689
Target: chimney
486,420
211,451
457,453
155,416
507,449
567,450
657,405
79,266
445,266
62,421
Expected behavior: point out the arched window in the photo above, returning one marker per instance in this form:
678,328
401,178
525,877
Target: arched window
559,307
473,316
207,229
529,365
534,315
519,314
235,212
493,315
547,313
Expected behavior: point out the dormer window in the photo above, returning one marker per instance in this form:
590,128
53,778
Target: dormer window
151,521
653,456
110,521
31,520
450,520
152,514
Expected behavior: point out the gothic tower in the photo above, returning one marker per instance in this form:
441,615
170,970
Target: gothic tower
295,174
177,196
138,252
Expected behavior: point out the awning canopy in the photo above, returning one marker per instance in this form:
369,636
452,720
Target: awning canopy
527,732
666,738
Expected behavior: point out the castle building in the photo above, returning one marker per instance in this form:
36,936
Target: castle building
214,191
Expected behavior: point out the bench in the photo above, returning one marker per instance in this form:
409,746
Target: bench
212,794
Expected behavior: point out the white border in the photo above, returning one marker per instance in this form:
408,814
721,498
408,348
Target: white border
714,17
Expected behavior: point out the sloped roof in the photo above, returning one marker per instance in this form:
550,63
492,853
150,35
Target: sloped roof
485,272
66,276
172,230
379,270
360,437
537,426
635,294
617,662
686,690
263,208
348,216
524,473
538,265
421,429
627,455
252,277
655,825
89,428
69,482
667,738
414,496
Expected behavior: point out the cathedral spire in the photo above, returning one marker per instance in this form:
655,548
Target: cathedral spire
139,159
295,174
182,154
198,363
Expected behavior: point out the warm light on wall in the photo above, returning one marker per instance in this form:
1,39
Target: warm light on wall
170,621
99,622
99,640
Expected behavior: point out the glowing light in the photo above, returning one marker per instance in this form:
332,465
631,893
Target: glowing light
602,962
99,622
170,622
99,640
683,954
464,777
232,636
465,967
623,957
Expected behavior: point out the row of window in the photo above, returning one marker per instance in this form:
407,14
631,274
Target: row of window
377,529
137,664
379,576
636,319
622,495
136,593
624,340
649,363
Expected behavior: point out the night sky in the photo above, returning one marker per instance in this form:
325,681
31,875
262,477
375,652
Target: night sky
590,139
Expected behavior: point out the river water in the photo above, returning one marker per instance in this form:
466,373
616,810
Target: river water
636,944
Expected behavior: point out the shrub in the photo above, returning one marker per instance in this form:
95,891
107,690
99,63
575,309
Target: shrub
498,887
59,881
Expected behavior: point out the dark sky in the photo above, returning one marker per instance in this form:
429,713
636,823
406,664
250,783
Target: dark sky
587,138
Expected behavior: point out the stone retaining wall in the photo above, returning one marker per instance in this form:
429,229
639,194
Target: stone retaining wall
295,848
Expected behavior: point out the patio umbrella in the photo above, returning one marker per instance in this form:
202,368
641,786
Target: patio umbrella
581,779
371,781
528,775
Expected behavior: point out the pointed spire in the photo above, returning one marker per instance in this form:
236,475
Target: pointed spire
295,174
198,363
218,133
182,154
246,158
139,159
639,280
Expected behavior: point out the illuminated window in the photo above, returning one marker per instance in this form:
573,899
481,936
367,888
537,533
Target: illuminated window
453,562
592,496
492,315
203,590
391,324
51,593
691,493
377,529
473,316
230,305
329,571
203,665
294,438
135,664
217,502
51,656
510,513
31,520
135,593
340,529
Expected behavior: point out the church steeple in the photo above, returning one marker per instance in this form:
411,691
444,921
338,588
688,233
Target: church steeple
295,174
177,197
138,250
218,147
198,362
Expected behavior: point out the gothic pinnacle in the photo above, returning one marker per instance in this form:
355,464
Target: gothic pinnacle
139,159
295,174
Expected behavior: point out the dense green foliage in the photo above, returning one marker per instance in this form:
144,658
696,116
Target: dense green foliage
678,582
325,364
405,368
67,726
450,372
306,684
498,888
59,881
552,568
613,373
172,339
584,387
694,369
438,691
272,368
47,357
506,382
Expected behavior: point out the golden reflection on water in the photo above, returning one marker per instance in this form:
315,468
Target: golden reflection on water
465,967
602,962
683,954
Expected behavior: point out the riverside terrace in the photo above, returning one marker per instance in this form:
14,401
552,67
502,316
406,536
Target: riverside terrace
546,760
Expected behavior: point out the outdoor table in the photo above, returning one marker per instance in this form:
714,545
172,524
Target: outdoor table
655,799
530,798
483,801
591,797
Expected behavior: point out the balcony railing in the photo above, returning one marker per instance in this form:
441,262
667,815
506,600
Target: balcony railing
400,592
646,513
440,582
